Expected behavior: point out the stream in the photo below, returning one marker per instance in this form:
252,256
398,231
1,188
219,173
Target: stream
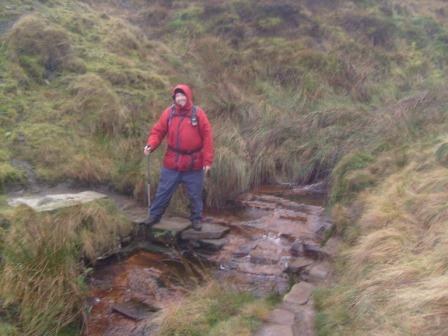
274,234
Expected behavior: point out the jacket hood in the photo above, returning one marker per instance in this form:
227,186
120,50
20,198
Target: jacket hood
187,91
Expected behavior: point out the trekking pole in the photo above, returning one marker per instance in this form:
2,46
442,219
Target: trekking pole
148,180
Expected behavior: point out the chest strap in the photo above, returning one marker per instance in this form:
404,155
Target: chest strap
185,152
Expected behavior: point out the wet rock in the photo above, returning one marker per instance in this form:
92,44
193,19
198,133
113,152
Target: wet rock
297,249
172,224
308,249
317,273
209,231
281,316
275,330
319,225
300,293
243,251
213,244
304,321
266,252
315,251
134,310
297,265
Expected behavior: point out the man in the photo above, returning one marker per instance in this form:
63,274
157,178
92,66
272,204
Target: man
189,155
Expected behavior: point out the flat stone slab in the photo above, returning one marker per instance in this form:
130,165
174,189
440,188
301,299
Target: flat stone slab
304,321
213,244
297,265
300,293
172,224
275,330
319,272
134,310
281,316
56,201
209,231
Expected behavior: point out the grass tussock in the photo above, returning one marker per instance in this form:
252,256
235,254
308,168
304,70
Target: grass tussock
42,276
215,309
96,106
396,265
41,48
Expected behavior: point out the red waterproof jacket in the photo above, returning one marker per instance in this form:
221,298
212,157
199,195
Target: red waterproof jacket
190,147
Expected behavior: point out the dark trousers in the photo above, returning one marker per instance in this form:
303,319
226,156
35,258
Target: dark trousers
169,180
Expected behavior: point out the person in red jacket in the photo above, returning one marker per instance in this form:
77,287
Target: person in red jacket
189,154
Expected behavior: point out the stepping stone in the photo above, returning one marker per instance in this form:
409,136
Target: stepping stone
275,330
134,310
209,231
297,265
281,316
308,249
172,224
213,244
299,294
304,323
318,273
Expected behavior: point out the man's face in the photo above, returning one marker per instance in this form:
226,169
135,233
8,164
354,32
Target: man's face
180,99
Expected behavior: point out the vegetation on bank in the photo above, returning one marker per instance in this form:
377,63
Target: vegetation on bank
42,284
392,270
216,309
296,91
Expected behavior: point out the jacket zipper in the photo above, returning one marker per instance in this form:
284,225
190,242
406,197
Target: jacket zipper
178,140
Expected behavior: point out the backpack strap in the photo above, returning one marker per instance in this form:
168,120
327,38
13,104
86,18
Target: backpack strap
194,115
172,114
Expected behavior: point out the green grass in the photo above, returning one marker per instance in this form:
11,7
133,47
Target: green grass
216,309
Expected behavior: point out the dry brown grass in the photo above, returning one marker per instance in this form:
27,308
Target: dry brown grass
398,265
42,273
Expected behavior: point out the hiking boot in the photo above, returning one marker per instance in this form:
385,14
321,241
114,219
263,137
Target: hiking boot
150,221
197,226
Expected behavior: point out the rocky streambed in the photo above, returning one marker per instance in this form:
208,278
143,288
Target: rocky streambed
274,240
275,237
